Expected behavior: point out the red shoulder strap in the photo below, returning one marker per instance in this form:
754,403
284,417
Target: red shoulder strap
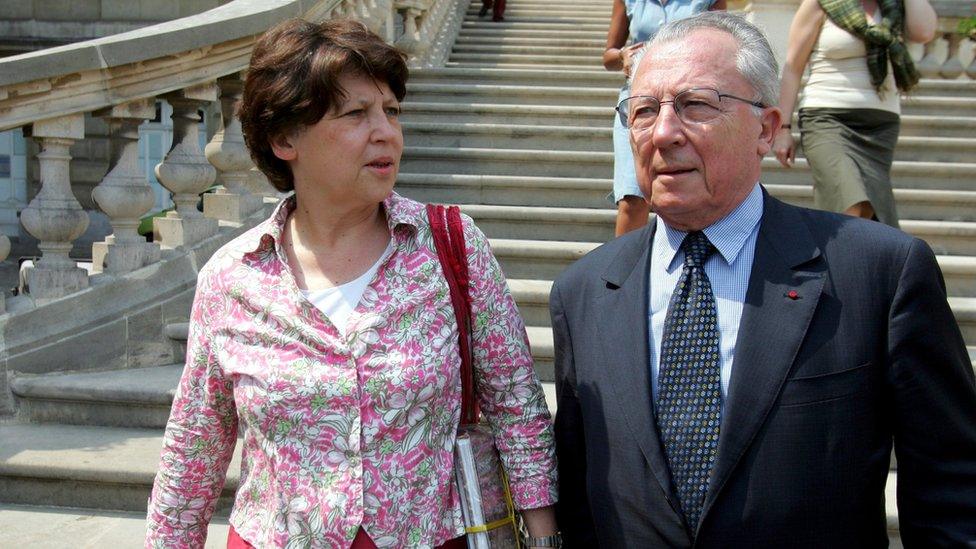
448,235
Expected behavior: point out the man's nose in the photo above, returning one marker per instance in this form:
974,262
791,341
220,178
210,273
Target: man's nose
668,129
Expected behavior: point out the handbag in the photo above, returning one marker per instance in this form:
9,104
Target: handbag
480,479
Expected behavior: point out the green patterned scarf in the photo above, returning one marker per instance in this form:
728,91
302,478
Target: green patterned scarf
883,40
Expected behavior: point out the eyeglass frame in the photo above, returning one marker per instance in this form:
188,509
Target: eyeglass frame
624,118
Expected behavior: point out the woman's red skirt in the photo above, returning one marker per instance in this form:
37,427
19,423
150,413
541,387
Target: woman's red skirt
362,541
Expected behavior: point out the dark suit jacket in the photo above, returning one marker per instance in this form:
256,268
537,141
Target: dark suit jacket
868,354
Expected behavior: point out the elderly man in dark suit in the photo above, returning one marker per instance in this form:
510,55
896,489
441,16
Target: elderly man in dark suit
736,374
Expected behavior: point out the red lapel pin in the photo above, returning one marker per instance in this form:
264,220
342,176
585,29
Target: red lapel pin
792,294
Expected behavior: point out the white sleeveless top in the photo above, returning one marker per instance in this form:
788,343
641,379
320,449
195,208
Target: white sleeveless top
839,76
338,303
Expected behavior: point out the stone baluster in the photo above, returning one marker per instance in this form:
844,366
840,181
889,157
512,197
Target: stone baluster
952,67
226,151
4,251
124,194
411,41
928,66
55,217
186,172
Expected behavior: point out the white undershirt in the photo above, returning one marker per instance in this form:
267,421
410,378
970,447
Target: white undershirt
338,303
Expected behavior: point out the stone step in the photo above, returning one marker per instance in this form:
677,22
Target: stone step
936,105
581,138
923,204
581,66
596,225
532,296
470,29
557,77
500,59
538,50
545,23
592,91
50,527
593,164
108,468
507,136
512,94
544,260
506,41
139,397
582,13
602,117
945,89
964,309
496,113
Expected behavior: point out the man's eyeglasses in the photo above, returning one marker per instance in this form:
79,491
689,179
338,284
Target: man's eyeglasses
694,106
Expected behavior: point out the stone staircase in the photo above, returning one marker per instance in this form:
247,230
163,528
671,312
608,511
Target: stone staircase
516,129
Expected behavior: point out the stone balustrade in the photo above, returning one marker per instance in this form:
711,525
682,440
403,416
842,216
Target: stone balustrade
191,63
949,56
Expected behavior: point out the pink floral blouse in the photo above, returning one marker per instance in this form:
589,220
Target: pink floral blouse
338,431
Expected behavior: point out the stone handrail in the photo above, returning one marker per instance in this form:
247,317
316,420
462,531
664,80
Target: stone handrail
191,63
150,61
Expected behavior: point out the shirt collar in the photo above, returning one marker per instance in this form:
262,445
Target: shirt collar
728,234
401,214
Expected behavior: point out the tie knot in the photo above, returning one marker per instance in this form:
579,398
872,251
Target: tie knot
697,249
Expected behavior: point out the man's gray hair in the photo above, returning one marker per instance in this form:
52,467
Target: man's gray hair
754,59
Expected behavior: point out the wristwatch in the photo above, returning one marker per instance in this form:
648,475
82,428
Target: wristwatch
555,540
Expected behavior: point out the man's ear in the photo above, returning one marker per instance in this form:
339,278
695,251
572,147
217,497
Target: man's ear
770,122
282,147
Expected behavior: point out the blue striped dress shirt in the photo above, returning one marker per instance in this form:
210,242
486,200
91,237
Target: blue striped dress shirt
734,236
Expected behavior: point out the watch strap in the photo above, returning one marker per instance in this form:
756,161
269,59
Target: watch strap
554,540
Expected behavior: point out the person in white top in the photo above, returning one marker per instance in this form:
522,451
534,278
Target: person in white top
849,111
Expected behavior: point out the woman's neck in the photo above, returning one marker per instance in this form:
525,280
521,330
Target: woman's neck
318,224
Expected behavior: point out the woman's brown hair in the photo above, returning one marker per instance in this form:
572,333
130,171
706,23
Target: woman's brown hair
293,80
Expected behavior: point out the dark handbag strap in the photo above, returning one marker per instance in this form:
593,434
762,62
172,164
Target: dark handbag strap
448,235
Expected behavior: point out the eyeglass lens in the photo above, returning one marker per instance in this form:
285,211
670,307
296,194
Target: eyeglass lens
694,106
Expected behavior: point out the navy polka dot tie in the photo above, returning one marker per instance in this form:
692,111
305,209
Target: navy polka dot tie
689,387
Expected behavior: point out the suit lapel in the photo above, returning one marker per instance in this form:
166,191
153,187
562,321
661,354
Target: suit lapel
784,287
625,305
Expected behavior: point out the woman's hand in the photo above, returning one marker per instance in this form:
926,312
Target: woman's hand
627,57
784,147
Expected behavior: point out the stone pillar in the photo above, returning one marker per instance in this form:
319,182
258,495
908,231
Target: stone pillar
55,217
124,194
774,18
185,171
226,151
4,251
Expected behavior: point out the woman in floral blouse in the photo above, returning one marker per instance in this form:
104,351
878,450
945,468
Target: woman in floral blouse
326,336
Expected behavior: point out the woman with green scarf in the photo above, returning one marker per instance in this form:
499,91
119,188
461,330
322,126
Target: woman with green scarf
849,109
